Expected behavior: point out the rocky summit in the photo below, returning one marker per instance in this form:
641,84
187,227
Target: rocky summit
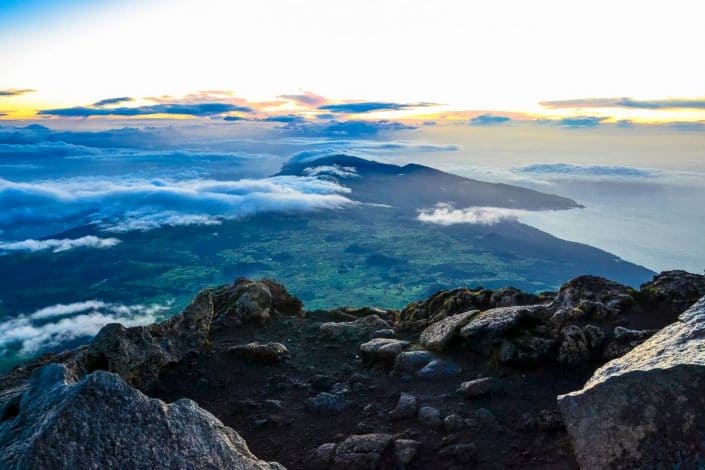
596,375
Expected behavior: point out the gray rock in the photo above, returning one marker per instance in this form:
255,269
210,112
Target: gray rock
437,336
575,347
101,422
438,369
644,409
360,329
404,452
267,353
247,300
430,416
408,362
459,453
362,452
478,387
594,336
453,423
406,407
383,349
492,326
385,333
325,403
511,296
138,354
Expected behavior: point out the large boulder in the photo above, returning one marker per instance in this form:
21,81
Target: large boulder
439,335
492,326
590,298
677,289
247,300
360,329
137,354
102,422
644,409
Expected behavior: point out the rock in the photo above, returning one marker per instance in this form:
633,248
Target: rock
322,382
459,453
102,422
138,354
322,457
624,340
357,330
406,407
590,298
247,300
644,409
453,423
429,416
404,452
437,336
325,403
385,333
438,370
408,362
478,387
491,326
594,336
511,296
383,349
267,353
676,289
574,348
362,452
526,350
418,315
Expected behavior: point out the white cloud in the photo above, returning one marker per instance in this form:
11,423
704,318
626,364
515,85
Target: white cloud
444,214
52,326
58,245
573,171
331,170
143,204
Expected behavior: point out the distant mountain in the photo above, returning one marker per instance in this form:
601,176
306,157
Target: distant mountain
416,186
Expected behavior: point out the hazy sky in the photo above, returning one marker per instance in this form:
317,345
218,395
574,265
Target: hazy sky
639,60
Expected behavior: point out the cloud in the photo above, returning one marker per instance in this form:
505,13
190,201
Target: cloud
189,109
287,118
581,121
15,92
670,103
570,170
489,120
54,326
118,205
369,106
306,98
350,129
445,214
233,118
109,101
58,245
331,170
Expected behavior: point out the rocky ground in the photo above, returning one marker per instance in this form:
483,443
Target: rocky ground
465,378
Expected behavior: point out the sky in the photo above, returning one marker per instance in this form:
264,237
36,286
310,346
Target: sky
592,62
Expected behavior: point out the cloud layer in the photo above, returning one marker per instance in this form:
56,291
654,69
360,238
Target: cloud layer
672,103
569,170
58,245
52,327
445,214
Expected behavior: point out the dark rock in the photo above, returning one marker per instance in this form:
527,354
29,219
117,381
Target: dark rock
325,403
362,452
574,347
624,340
101,422
138,354
430,416
549,420
247,300
526,350
405,452
644,409
459,453
511,296
676,289
406,407
590,298
408,362
267,353
491,326
453,423
417,315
